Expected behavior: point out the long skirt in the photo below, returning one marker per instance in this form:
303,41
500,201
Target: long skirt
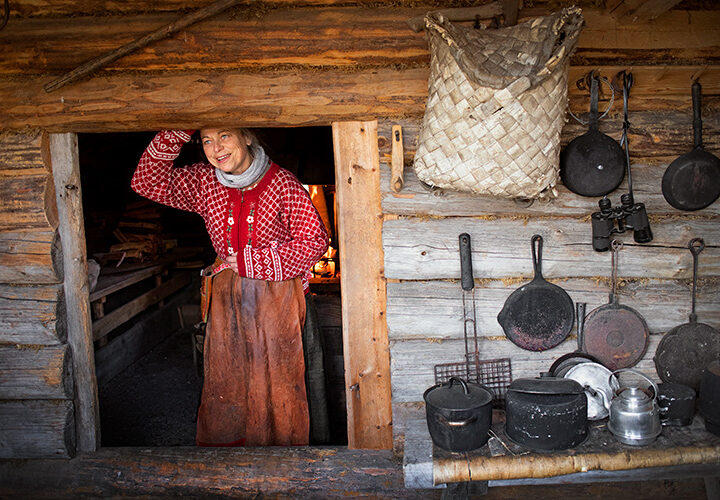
254,387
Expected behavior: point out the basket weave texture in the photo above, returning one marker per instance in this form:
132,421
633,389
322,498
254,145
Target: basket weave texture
496,105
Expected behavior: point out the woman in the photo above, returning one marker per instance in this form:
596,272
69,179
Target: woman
267,235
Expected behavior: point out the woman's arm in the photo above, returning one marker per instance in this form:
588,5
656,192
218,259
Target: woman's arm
156,179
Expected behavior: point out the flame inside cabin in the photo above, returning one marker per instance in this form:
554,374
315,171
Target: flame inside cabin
144,262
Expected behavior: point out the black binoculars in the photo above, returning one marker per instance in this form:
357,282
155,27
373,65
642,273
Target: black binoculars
613,220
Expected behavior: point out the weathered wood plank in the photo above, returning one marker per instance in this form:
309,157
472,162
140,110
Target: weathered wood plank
30,257
433,309
413,361
66,174
357,180
330,36
32,315
112,320
29,193
36,429
427,249
34,372
196,472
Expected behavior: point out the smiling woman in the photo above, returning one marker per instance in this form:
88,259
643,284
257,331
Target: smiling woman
267,235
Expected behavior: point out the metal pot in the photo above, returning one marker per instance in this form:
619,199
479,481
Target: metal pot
634,413
546,413
677,404
599,384
459,414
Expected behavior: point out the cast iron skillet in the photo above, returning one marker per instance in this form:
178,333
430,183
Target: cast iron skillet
692,181
615,334
593,164
538,315
685,351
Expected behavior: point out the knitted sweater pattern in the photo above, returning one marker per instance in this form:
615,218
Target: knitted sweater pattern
288,234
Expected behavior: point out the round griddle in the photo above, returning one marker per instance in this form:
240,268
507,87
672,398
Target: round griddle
538,315
615,334
685,351
592,164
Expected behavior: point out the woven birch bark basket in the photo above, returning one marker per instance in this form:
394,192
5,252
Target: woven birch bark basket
496,105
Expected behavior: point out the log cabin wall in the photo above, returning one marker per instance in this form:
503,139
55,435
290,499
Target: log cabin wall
314,62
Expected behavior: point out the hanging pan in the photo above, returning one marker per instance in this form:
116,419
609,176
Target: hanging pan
538,315
692,181
615,334
593,163
685,351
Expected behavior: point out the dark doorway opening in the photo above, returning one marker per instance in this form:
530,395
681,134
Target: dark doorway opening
147,362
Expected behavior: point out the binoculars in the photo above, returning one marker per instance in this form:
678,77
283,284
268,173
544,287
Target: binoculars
614,220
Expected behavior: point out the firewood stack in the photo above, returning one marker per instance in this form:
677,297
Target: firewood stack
139,235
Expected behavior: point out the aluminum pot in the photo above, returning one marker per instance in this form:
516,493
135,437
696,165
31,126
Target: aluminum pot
459,414
546,413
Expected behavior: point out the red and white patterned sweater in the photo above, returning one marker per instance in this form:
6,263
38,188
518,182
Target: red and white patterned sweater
281,232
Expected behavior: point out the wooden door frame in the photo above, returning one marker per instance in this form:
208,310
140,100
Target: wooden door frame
365,339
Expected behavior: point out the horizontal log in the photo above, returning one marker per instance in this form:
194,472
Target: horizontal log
433,310
34,372
418,249
277,472
331,36
413,361
28,194
36,429
32,315
30,258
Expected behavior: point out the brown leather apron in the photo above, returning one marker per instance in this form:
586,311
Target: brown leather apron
254,386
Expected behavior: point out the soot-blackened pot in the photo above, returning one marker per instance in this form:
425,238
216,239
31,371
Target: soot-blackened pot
546,413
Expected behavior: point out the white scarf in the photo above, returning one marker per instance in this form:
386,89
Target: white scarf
258,167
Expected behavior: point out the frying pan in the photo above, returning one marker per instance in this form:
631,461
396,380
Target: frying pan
692,181
615,334
538,315
685,351
593,163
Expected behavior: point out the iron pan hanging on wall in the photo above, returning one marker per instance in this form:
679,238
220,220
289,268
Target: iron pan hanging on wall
538,315
615,334
593,164
685,351
692,181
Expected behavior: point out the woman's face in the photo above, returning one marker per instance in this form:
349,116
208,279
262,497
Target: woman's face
226,149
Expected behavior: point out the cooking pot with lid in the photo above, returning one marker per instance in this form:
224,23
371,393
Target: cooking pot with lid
546,413
459,414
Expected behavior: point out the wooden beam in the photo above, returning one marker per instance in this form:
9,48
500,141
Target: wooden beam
365,343
36,429
158,34
35,372
28,200
197,472
66,171
292,98
32,315
642,12
30,258
113,319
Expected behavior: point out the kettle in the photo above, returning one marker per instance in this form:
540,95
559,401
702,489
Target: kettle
634,413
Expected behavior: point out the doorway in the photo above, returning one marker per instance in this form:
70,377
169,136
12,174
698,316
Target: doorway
147,369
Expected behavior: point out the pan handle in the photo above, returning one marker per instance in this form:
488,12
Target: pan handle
697,114
537,254
580,317
696,245
466,271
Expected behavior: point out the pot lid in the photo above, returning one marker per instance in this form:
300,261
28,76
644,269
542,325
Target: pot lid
457,394
546,385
